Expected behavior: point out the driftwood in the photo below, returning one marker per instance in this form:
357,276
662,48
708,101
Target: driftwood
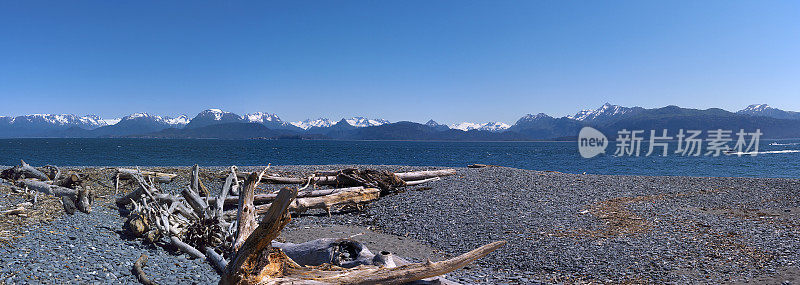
217,261
188,249
418,182
269,197
201,228
23,171
345,253
246,219
82,198
338,180
258,262
19,210
127,174
138,269
69,181
197,184
355,197
198,204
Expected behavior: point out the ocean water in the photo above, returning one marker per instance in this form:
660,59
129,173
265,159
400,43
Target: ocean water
775,159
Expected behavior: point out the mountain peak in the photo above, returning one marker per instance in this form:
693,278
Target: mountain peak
536,117
764,110
606,112
261,117
309,123
216,113
138,115
490,126
757,108
212,117
364,122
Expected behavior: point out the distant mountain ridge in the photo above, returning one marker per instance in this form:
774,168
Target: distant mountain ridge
764,110
216,123
605,113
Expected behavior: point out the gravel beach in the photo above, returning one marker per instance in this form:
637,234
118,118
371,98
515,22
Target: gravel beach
560,228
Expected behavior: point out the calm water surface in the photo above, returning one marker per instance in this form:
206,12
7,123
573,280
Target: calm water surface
779,160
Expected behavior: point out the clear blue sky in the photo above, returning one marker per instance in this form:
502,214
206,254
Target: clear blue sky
399,60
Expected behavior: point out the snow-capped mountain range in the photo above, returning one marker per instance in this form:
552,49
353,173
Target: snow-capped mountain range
143,123
604,113
55,120
765,110
176,122
490,126
316,123
358,122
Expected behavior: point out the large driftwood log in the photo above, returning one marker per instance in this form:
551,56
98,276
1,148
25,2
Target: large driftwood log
81,199
246,213
354,196
23,170
188,249
48,188
69,181
126,174
344,253
217,261
198,204
254,260
395,275
419,175
269,197
257,262
336,180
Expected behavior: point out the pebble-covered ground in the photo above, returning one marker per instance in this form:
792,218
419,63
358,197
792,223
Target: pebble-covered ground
560,228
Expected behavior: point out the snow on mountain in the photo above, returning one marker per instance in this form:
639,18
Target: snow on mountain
319,123
605,112
109,122
261,117
139,115
213,117
465,126
531,120
181,120
57,121
755,108
178,122
582,115
495,126
765,110
490,126
217,113
530,117
361,122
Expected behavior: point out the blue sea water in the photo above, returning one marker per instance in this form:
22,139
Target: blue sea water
779,159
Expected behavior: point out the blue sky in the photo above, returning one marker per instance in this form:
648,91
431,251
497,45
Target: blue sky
450,61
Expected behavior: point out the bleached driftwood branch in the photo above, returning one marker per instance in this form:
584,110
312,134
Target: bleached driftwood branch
258,262
126,174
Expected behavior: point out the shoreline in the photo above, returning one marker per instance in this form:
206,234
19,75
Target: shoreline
255,167
559,227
